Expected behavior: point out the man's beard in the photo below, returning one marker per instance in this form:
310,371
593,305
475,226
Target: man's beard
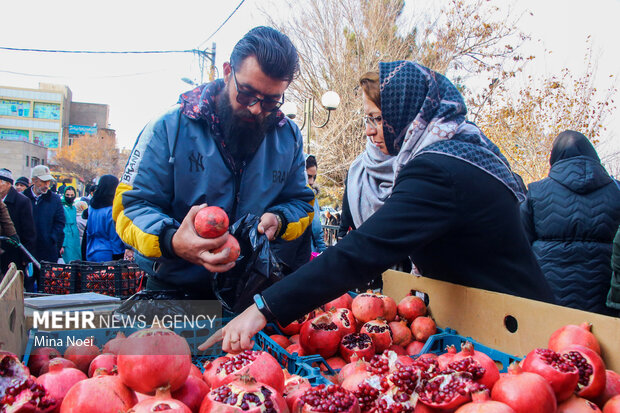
243,132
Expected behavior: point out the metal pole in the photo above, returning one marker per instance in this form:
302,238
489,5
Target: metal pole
308,112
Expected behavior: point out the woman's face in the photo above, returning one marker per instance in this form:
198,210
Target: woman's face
311,175
69,193
374,124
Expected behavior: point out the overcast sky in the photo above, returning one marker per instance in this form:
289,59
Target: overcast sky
139,86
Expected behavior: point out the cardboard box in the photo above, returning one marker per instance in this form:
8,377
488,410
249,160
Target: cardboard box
489,317
12,327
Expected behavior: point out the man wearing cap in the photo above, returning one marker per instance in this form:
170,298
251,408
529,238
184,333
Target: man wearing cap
22,183
49,217
20,211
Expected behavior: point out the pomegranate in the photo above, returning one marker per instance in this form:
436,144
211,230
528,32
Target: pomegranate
280,340
153,358
320,336
352,382
114,345
410,308
210,369
482,403
40,357
59,380
344,301
103,361
573,334
211,222
525,392
294,387
559,372
399,390
389,308
60,360
336,363
357,366
192,392
360,344
479,365
612,405
295,326
235,249
345,320
446,358
244,395
576,404
423,327
19,392
367,306
99,394
414,348
448,390
591,370
294,339
259,365
332,398
400,350
82,355
296,348
612,388
195,371
162,401
401,334
380,333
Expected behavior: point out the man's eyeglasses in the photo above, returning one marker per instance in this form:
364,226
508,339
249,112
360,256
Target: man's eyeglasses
248,99
374,121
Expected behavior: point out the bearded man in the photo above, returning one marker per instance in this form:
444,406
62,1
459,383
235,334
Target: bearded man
225,144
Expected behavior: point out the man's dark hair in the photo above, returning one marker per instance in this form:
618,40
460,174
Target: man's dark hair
276,55
310,161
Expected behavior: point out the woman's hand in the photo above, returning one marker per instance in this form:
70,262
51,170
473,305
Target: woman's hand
237,335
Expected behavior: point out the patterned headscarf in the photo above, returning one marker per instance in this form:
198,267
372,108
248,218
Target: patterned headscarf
423,112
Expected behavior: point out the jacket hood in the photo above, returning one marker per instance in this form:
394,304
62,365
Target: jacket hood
580,174
570,144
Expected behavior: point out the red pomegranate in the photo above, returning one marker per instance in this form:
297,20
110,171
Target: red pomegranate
192,392
294,339
380,333
235,249
573,334
211,222
356,366
359,344
100,394
482,368
59,380
612,405
244,394
345,320
559,372
414,348
398,390
320,335
60,360
162,401
524,392
344,301
332,398
423,327
153,358
280,340
210,369
103,361
612,388
294,387
195,371
401,333
410,308
400,350
446,358
296,348
576,404
447,390
114,345
591,370
389,308
295,326
259,365
482,403
336,363
39,357
83,354
367,306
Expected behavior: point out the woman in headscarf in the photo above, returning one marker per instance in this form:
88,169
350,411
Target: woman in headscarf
103,243
571,218
71,245
454,208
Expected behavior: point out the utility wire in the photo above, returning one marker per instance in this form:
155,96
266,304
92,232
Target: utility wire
221,25
17,49
84,77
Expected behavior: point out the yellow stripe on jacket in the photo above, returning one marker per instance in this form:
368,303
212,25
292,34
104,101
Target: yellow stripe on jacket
295,229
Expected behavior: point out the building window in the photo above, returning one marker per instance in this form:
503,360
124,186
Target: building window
14,135
47,139
47,111
14,108
34,161
27,160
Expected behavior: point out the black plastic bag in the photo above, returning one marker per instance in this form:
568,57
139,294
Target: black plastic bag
149,304
256,268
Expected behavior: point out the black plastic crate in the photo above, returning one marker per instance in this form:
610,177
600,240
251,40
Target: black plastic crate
114,278
59,278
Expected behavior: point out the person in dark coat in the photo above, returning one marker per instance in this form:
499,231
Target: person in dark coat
571,218
613,297
49,218
20,211
454,209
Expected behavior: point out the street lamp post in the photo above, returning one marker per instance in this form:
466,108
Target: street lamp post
330,101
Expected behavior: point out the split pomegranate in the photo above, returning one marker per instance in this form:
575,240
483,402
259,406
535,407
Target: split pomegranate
612,405
59,380
356,366
18,390
574,334
380,333
446,358
328,399
401,334
244,395
367,306
114,345
233,245
162,401
345,320
82,355
389,308
211,222
192,393
591,370
448,390
210,369
479,365
359,344
576,404
40,357
344,301
320,336
399,390
423,327
612,388
259,365
559,372
410,308
60,360
414,348
482,403
153,358
525,392
100,394
103,361
294,387
295,326
280,340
